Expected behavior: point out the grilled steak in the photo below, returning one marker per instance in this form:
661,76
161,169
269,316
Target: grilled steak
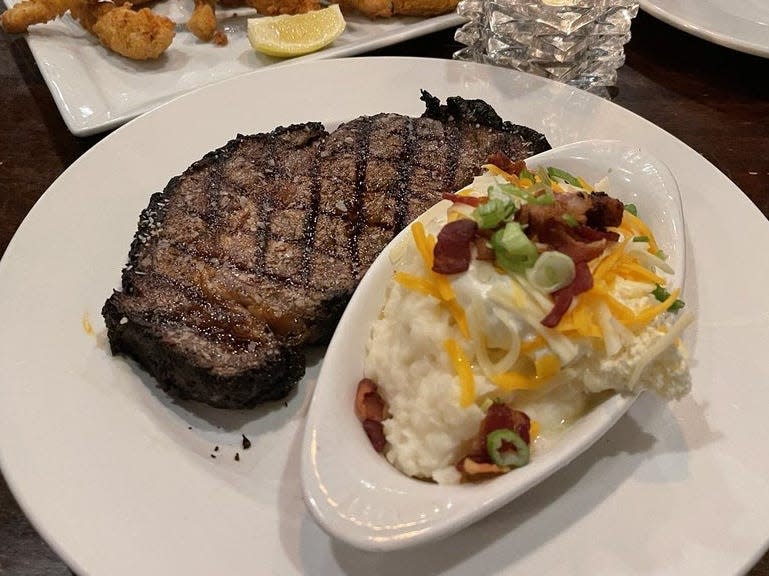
253,252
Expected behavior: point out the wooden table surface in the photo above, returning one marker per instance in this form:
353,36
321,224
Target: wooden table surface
714,99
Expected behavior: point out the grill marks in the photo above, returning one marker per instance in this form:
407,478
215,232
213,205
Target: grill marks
254,251
310,224
453,146
355,213
404,175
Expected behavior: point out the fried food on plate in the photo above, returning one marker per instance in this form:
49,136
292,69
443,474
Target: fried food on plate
423,7
18,18
370,8
388,8
139,35
275,7
203,23
87,12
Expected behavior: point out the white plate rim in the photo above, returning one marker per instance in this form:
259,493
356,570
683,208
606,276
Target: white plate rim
689,18
506,88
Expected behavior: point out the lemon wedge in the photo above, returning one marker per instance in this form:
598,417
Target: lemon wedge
295,34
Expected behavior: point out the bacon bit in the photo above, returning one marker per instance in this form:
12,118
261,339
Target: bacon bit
474,201
473,468
561,237
537,217
452,251
503,161
583,281
592,234
375,432
482,249
368,403
498,416
370,410
604,210
595,211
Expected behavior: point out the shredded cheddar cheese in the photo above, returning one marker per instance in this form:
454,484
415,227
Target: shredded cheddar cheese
629,268
420,239
652,312
585,186
547,365
640,228
435,285
528,346
417,284
462,368
497,171
608,262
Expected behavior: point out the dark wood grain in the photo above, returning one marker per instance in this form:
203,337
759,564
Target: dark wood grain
714,99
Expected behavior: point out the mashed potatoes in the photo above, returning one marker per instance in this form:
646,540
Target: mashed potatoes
617,338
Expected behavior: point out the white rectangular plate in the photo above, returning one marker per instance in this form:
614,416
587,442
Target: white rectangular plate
95,89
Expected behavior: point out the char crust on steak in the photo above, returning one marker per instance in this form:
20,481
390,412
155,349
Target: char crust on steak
253,252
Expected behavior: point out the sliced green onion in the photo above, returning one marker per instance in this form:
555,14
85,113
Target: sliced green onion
570,220
526,174
677,305
632,209
542,199
640,238
661,295
513,251
661,255
543,176
539,193
552,270
563,175
507,458
493,212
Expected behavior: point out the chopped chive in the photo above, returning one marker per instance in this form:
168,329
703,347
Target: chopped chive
640,238
570,220
563,175
632,209
677,305
661,295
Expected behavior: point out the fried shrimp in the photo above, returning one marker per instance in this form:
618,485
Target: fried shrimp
275,7
139,35
88,12
203,23
18,18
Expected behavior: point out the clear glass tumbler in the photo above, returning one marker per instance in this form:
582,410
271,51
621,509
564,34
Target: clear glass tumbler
579,42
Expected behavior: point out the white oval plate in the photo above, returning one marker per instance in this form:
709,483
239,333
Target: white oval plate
353,492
